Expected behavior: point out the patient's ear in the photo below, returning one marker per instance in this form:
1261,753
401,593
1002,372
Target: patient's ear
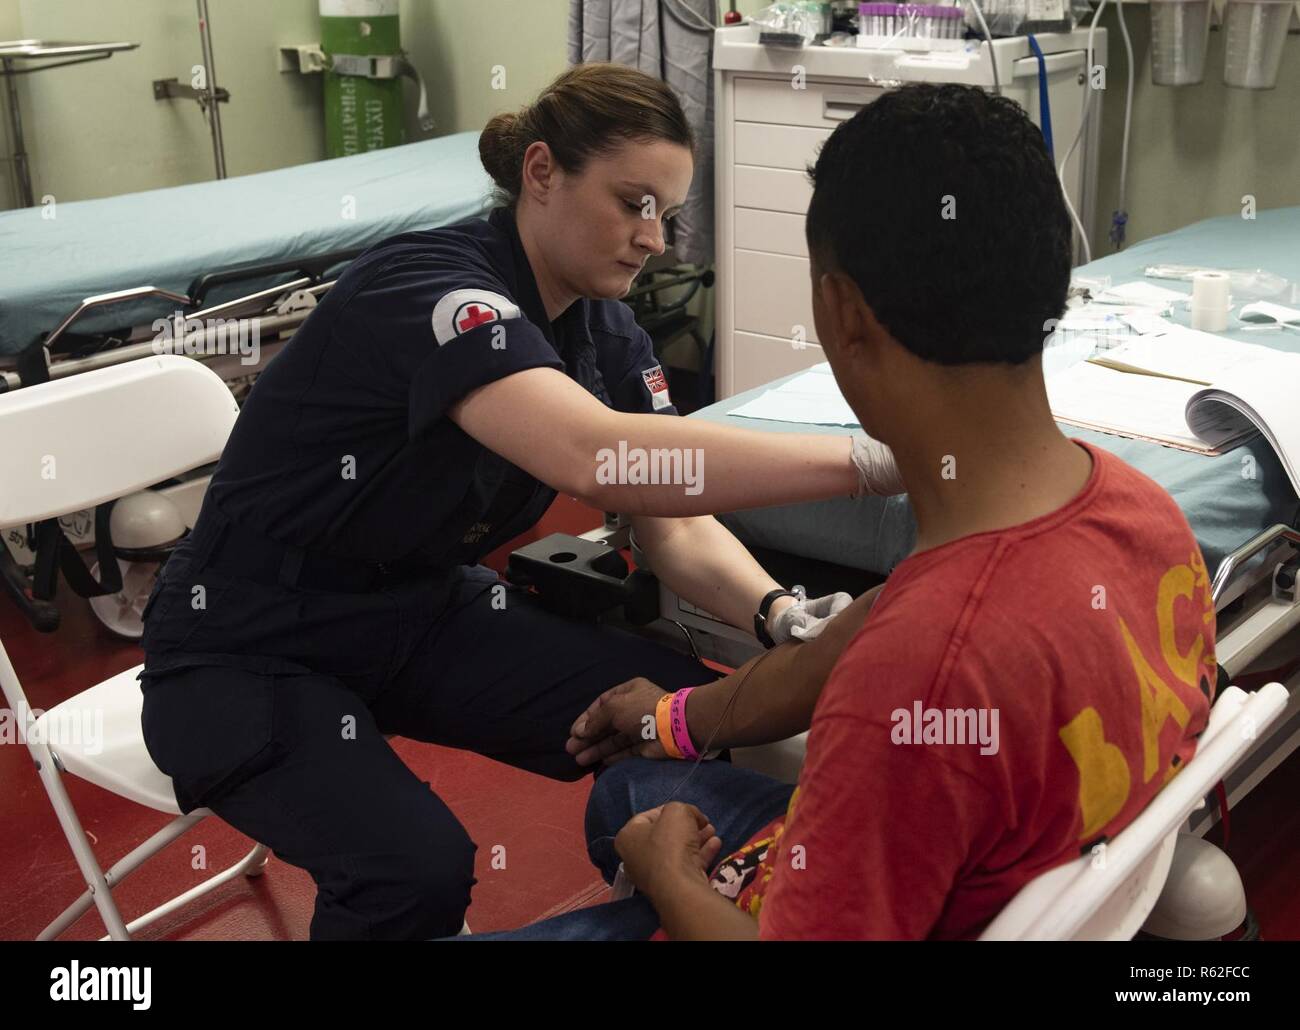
846,311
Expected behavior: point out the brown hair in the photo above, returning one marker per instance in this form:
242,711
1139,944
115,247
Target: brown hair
587,111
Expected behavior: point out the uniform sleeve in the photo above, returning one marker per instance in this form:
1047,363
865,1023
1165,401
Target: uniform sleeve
880,831
643,388
457,330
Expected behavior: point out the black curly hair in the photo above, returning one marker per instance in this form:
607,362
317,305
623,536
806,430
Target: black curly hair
942,204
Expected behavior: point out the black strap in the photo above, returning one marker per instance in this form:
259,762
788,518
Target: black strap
1222,682
55,551
760,617
33,364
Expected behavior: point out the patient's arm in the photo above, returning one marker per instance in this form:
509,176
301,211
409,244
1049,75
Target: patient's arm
780,689
777,690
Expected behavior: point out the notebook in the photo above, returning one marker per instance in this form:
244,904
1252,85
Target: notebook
1187,389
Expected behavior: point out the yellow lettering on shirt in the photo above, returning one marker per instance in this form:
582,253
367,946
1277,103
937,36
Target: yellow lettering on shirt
1104,776
1178,582
1103,770
1159,703
1207,599
1184,581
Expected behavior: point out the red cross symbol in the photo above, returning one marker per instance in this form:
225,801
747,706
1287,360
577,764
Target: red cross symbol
475,316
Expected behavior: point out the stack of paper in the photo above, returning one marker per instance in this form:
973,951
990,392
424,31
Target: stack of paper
1187,389
812,398
1176,352
1263,394
1144,407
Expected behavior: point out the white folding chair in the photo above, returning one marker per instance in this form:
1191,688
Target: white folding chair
1108,895
71,444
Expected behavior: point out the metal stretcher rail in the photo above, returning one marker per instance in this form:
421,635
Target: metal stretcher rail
267,304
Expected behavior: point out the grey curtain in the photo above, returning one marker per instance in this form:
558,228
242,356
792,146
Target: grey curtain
671,40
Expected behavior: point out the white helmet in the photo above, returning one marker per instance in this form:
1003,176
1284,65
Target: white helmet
145,527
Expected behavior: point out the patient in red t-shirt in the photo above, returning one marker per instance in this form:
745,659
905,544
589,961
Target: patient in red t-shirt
1016,697
1026,680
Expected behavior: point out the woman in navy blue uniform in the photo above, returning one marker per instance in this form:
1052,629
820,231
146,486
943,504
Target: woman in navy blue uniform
428,411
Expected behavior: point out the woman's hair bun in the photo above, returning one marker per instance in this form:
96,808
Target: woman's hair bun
588,110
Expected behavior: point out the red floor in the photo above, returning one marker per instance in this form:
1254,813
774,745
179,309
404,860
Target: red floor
537,821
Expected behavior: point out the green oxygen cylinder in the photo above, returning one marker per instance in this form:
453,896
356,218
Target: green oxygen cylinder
361,113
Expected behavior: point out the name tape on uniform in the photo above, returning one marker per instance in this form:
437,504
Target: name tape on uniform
462,310
657,385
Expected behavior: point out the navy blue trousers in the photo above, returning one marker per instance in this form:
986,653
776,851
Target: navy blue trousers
277,724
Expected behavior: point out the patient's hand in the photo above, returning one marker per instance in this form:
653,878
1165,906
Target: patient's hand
619,724
673,841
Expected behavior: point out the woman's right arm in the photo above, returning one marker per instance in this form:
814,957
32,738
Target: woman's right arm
549,426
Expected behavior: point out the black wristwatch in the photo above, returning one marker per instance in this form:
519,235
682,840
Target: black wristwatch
760,617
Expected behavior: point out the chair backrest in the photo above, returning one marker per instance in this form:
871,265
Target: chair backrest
1109,895
76,442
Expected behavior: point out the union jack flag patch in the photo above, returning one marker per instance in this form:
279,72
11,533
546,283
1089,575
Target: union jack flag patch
657,385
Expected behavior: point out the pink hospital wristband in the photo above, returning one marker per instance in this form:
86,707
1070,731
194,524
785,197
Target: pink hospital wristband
677,719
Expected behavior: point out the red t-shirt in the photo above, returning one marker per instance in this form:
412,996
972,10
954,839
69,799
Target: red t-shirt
1073,655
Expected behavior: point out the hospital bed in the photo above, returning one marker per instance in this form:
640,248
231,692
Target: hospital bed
83,279
1248,529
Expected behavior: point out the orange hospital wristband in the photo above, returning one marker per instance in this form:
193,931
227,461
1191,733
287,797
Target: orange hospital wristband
664,726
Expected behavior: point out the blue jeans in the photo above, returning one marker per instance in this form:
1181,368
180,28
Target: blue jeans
738,802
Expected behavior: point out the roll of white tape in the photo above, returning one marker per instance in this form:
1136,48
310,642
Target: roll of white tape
1210,301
